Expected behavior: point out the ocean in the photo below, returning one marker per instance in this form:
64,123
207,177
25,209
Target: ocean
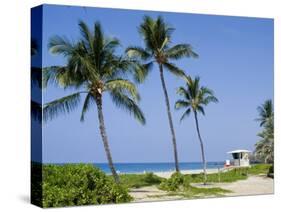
156,167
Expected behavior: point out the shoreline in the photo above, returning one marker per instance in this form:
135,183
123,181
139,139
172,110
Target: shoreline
167,174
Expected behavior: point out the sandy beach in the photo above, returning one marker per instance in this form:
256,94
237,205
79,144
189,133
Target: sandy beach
196,171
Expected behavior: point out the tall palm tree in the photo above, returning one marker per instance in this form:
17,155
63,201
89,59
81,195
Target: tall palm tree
194,100
157,39
94,69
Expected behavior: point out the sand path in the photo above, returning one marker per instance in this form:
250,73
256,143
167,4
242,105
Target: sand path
254,185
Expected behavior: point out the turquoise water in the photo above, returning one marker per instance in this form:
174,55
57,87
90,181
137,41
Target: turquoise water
156,167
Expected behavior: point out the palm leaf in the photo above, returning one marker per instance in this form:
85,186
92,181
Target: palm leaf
141,71
122,84
86,34
121,100
63,105
185,114
174,69
180,50
180,104
87,103
137,52
60,45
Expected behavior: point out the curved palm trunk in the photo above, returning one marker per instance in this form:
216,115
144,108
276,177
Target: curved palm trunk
170,118
105,140
202,147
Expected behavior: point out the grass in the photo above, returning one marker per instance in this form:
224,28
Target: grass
194,192
230,176
140,180
180,185
149,179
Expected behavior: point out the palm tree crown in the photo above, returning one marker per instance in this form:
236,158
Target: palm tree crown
94,68
157,39
194,97
265,112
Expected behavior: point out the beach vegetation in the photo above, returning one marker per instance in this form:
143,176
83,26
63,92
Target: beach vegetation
80,184
180,185
140,180
232,175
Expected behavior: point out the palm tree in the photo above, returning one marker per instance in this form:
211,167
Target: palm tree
194,100
157,39
94,69
265,146
265,112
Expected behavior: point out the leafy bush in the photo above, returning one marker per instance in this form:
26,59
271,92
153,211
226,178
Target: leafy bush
271,170
69,185
173,183
140,180
179,184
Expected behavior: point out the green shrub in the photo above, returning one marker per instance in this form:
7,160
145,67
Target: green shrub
79,184
151,179
271,170
179,184
140,180
173,183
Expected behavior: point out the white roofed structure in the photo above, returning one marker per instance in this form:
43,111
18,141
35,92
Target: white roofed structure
240,157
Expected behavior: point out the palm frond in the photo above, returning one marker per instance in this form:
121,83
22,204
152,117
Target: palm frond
209,99
110,44
36,111
200,109
124,85
87,103
185,114
181,104
122,101
34,47
174,69
60,45
138,52
140,71
63,105
86,34
61,76
36,77
146,29
183,92
179,51
265,112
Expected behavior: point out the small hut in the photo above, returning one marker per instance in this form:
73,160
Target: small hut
240,158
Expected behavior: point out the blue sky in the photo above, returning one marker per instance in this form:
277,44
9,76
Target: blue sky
235,60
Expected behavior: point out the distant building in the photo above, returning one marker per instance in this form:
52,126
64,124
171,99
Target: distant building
240,158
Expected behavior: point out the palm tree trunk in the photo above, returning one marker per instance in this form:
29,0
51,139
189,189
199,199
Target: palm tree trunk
170,118
105,140
202,148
